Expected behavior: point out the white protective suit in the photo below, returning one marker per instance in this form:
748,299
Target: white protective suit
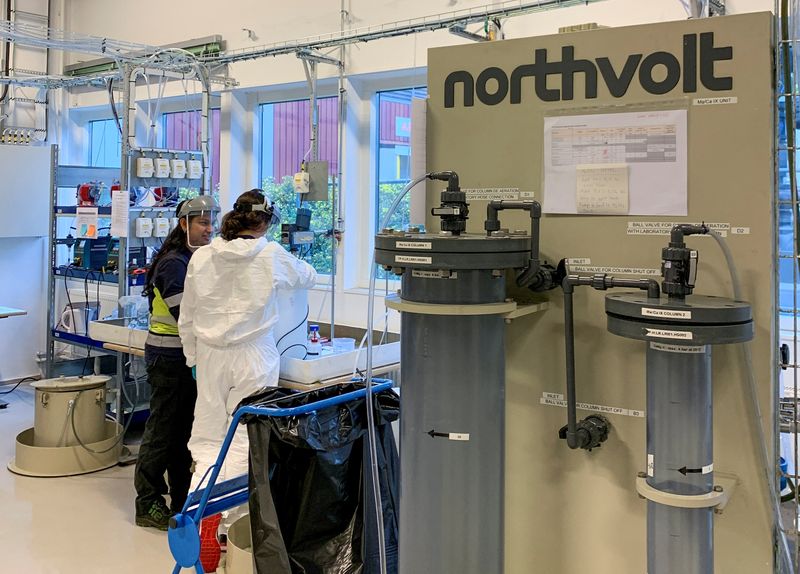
228,312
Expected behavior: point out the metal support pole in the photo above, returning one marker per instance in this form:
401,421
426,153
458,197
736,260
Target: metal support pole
205,129
51,278
127,140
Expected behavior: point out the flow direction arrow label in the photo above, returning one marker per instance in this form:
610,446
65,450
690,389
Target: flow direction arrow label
449,435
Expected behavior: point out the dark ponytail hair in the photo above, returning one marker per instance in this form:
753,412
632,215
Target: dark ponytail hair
234,222
175,241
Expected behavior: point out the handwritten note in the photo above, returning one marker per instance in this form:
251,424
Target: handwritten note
602,189
120,207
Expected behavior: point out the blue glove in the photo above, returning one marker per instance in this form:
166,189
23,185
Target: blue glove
194,372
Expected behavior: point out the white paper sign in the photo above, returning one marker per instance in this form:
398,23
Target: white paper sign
120,208
602,189
653,144
86,223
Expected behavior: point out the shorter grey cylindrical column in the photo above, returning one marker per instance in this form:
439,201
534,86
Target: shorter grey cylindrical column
679,457
679,335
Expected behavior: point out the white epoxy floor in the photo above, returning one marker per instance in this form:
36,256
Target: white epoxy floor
82,524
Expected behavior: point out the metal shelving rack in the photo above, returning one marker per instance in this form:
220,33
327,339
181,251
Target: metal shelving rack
71,176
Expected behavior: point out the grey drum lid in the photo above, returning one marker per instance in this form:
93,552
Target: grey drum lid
70,384
466,251
699,320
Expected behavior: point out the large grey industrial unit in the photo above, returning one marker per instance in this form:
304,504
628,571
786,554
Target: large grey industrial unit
487,109
452,431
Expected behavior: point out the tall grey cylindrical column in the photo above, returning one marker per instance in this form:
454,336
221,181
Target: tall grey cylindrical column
452,417
679,457
451,501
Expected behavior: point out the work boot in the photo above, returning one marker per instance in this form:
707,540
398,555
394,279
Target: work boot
157,516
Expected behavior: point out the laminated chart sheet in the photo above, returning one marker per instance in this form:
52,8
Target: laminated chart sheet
616,164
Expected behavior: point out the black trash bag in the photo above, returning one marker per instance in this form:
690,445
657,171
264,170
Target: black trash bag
311,485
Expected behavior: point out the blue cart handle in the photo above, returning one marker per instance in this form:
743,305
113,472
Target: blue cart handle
382,385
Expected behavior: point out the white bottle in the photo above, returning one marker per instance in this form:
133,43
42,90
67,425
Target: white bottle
314,343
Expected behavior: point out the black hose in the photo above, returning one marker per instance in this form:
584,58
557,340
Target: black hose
296,345
293,329
17,384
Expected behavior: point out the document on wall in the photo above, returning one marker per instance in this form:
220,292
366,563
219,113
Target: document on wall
418,207
652,147
120,207
86,223
602,189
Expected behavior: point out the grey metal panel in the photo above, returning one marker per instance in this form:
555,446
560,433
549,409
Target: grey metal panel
318,181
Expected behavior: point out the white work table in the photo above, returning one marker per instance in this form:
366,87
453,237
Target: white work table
11,312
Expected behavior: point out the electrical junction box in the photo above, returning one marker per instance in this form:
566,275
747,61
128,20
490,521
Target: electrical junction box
144,227
161,167
301,181
195,168
161,227
144,167
317,181
178,168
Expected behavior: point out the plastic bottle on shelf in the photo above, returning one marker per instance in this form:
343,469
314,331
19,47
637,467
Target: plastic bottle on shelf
314,343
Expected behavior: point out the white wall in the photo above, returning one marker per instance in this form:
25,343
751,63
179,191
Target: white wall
381,64
23,286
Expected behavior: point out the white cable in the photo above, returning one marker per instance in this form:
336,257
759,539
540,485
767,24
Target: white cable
373,457
756,415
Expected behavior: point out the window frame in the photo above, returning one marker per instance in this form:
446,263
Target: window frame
285,94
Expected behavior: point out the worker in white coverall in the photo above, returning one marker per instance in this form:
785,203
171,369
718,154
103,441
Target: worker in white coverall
228,313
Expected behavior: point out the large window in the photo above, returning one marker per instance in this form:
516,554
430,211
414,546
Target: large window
285,143
182,131
788,272
393,169
104,143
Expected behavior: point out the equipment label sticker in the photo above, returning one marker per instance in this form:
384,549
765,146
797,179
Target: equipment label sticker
579,261
548,400
412,245
492,193
715,101
666,313
664,334
651,465
423,274
708,469
665,227
740,231
693,350
411,259
616,270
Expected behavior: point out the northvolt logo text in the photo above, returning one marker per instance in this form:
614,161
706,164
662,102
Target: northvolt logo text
617,81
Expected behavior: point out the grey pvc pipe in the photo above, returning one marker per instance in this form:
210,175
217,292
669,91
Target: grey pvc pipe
679,436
